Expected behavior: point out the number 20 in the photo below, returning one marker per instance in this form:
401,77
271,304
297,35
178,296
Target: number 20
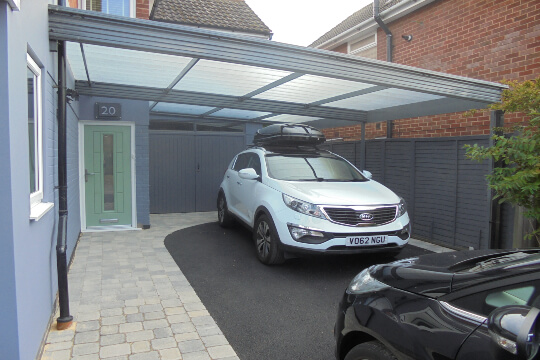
108,111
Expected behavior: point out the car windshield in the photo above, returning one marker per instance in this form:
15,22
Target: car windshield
311,168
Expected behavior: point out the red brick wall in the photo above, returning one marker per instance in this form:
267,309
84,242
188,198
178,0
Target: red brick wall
142,9
482,39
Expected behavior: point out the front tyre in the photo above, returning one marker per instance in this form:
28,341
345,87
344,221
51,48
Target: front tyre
372,350
267,241
224,216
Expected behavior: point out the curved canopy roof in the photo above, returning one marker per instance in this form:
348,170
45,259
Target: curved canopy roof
204,74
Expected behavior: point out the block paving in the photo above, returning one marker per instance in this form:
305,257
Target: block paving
130,301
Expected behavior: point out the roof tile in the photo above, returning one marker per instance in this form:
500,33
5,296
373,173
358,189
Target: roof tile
234,15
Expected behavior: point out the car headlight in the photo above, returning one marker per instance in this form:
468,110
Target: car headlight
402,207
364,283
303,207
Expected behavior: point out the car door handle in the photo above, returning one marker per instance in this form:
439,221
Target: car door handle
239,183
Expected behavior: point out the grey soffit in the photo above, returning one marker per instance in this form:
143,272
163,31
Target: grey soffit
215,73
230,15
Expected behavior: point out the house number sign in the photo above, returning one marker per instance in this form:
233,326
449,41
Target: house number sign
108,111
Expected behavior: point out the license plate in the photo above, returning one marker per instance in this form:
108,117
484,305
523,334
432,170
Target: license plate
366,240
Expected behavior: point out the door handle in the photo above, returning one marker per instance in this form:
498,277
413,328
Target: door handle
86,174
239,183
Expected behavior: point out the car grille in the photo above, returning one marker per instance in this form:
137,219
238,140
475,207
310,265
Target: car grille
362,216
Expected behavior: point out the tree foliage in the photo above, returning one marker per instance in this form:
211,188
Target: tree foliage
517,180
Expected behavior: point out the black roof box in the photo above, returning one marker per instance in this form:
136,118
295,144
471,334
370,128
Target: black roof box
289,134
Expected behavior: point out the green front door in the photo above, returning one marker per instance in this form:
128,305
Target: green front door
107,175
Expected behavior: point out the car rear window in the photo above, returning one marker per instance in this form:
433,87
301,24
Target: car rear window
311,168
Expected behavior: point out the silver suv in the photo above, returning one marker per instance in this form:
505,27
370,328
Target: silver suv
302,199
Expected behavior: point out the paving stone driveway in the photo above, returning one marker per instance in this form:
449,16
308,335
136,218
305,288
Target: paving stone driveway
131,302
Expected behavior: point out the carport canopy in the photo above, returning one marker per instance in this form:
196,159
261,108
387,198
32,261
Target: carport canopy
209,75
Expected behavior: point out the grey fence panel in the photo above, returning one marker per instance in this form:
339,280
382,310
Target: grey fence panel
399,168
435,189
473,202
507,226
346,150
375,159
172,156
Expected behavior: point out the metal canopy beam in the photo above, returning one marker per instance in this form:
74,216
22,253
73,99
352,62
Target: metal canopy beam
426,108
349,95
161,116
108,30
216,101
180,76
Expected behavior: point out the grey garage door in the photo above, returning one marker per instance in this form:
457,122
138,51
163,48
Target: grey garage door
186,169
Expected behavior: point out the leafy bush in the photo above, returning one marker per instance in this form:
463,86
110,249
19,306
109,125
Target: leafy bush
517,181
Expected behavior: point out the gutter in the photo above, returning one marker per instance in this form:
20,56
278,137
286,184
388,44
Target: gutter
377,17
65,319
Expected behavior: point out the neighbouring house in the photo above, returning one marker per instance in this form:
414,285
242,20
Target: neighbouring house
224,15
142,117
491,40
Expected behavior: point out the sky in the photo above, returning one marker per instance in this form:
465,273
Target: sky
301,22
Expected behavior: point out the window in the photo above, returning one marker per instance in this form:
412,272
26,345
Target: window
311,168
248,160
35,153
484,302
38,208
114,7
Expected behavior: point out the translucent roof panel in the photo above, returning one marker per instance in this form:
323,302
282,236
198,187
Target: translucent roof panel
229,79
293,119
183,109
383,99
310,88
126,67
239,114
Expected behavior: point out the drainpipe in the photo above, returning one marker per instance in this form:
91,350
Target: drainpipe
377,18
65,319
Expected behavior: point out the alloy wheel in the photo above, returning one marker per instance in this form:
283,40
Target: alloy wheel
221,209
264,239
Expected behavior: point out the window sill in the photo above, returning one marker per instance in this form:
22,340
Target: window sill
39,210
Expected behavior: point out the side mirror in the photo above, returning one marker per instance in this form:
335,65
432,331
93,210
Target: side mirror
515,329
367,174
248,174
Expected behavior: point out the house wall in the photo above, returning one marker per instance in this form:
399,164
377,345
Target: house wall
139,113
490,40
143,8
28,261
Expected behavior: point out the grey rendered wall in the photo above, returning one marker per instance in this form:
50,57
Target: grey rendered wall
28,247
446,193
137,112
8,296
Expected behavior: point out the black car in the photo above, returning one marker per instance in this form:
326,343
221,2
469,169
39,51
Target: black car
480,304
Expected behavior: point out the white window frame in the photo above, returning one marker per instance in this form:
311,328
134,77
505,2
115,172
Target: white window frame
37,196
132,7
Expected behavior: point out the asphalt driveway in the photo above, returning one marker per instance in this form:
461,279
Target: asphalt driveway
276,312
